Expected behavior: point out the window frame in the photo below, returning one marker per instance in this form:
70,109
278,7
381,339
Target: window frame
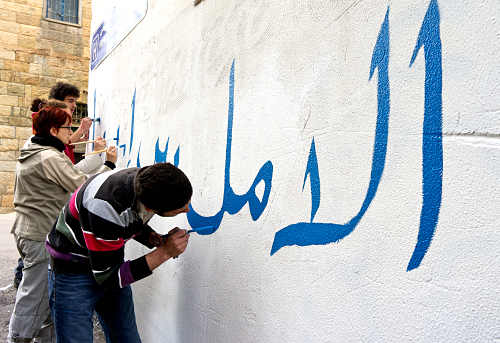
80,107
44,15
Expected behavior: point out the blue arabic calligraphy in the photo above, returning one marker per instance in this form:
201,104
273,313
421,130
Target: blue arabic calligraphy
310,233
233,203
432,141
303,234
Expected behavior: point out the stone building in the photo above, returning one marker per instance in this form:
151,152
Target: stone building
41,42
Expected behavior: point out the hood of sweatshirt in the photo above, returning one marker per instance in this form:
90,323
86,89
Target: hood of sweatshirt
38,143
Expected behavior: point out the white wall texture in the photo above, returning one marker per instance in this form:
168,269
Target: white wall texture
386,231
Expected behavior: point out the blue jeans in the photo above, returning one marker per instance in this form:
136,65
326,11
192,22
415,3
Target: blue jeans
73,299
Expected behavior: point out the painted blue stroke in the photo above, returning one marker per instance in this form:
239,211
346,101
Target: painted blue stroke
161,156
176,156
313,172
432,142
132,128
231,202
139,155
117,139
304,234
124,148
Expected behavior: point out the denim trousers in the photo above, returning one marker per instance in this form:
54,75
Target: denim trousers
73,298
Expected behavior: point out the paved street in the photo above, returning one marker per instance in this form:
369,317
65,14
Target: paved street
8,261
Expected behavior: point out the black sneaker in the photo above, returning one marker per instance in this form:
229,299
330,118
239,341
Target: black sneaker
17,281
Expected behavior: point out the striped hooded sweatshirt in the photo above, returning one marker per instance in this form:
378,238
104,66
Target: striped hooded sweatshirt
90,234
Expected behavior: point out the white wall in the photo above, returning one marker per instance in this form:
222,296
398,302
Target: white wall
315,264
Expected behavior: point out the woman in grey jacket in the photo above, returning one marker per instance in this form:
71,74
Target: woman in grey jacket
45,179
89,164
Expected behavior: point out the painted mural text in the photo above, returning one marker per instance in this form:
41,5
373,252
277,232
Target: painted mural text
311,233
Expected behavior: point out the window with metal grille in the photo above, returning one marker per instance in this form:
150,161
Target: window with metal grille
63,10
80,113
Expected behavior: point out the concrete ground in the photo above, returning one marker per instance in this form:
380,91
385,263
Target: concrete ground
8,261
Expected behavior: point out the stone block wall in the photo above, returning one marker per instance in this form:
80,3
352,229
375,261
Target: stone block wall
35,53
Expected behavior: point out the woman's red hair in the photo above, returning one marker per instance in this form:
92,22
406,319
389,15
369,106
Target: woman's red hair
49,117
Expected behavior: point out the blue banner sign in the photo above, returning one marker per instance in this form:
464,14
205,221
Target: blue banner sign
122,19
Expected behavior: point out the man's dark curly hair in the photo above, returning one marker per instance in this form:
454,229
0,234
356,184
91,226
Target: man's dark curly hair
163,187
61,90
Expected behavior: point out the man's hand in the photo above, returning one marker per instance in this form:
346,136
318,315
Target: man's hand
85,124
83,130
172,247
85,137
176,242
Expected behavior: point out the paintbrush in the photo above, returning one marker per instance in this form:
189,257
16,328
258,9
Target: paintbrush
95,140
205,230
96,152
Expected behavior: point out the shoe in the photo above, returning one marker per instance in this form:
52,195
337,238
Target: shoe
17,281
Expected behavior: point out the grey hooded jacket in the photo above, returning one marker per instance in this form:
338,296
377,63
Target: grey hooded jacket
45,179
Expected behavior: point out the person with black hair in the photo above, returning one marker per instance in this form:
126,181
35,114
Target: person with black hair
69,94
86,244
65,92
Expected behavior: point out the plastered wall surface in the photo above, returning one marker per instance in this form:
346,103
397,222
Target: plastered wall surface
347,152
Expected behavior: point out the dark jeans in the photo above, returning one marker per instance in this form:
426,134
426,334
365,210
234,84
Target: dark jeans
73,299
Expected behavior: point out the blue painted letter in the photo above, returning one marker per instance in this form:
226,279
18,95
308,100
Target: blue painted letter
432,145
231,202
303,234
